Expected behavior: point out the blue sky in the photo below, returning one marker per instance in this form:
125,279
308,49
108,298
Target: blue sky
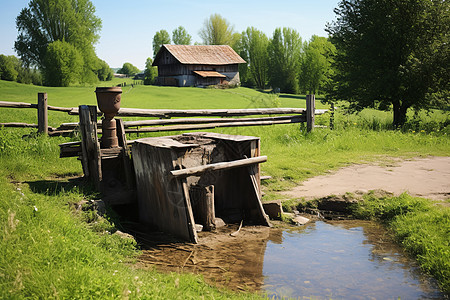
128,27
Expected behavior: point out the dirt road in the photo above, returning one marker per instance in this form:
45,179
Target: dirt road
422,177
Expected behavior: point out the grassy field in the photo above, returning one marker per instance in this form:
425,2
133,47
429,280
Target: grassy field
51,250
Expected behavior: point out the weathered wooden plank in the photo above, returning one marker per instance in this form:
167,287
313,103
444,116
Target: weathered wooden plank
194,171
32,105
135,112
70,149
253,171
209,126
17,104
19,125
162,202
108,153
24,125
125,153
91,158
129,124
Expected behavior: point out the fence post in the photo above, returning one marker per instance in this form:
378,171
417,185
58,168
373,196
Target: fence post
332,116
310,110
42,113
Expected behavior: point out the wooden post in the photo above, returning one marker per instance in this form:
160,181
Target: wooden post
332,116
310,111
42,113
202,198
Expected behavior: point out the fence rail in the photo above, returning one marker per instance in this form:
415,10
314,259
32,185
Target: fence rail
184,118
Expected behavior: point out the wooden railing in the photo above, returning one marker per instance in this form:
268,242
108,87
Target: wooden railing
184,119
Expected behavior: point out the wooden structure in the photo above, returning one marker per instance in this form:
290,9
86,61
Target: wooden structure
198,65
193,178
108,169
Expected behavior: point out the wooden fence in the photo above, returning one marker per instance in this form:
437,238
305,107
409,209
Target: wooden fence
184,119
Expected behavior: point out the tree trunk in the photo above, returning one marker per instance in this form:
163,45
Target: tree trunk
399,114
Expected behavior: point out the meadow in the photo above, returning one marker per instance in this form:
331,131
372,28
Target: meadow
51,250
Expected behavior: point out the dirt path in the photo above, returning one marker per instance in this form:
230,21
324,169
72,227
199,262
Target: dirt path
422,177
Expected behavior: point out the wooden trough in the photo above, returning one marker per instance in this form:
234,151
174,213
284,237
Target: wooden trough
198,180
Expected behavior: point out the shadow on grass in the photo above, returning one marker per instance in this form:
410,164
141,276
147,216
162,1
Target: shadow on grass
298,97
56,187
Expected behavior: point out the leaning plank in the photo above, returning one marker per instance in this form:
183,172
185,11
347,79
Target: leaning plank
217,166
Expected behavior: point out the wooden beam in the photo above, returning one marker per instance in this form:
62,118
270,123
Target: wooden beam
212,125
194,171
19,125
17,104
134,112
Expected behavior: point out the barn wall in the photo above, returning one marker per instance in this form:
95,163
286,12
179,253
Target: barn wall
177,69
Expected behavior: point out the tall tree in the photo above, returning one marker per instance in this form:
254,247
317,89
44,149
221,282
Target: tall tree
253,48
217,31
44,22
391,53
181,37
284,51
315,68
160,38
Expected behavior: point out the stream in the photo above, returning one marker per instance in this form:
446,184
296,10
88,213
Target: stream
321,260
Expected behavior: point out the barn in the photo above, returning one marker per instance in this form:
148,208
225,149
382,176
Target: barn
197,65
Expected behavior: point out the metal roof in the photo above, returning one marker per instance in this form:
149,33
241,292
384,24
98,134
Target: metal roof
213,74
204,54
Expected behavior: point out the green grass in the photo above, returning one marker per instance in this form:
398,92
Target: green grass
54,252
50,250
422,228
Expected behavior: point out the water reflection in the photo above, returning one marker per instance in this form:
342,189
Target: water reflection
340,260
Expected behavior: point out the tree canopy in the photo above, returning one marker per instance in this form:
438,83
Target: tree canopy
253,49
284,51
128,69
71,23
63,64
160,38
46,21
181,37
12,69
315,67
218,31
391,52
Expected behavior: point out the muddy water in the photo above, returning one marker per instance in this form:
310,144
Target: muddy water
339,260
